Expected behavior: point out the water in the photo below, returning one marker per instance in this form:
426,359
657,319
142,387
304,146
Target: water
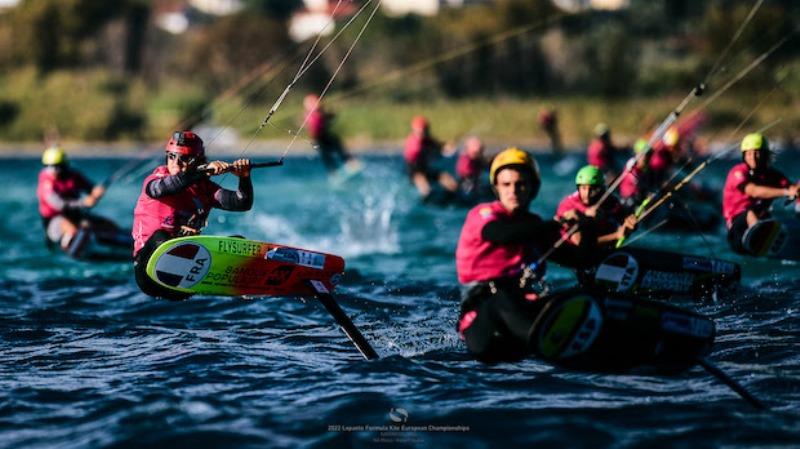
87,361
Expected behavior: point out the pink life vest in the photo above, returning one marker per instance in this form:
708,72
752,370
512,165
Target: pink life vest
478,260
611,210
316,123
68,187
169,213
414,148
599,154
468,168
735,201
661,159
630,185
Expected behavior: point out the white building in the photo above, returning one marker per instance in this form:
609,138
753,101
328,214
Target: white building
8,4
423,7
579,5
217,7
317,18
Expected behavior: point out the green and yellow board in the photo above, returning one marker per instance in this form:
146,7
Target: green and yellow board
231,266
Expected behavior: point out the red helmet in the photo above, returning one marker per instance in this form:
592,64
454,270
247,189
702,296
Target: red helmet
311,101
419,123
186,143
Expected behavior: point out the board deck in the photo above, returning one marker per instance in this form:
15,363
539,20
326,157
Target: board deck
774,239
648,273
231,266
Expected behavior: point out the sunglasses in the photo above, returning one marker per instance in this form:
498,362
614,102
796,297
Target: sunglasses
188,160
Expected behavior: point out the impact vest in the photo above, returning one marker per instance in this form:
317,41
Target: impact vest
631,184
612,213
169,213
316,123
418,151
468,168
68,186
735,201
599,154
479,260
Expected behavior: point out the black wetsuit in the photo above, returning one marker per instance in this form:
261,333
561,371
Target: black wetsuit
502,317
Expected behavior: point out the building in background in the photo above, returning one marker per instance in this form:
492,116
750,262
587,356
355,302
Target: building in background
217,7
580,5
317,18
8,4
423,7
171,16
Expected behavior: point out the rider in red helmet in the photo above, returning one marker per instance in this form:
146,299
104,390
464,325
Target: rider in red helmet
177,198
421,151
470,165
329,145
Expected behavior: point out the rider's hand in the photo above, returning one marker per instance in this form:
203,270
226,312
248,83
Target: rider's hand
627,227
241,168
570,215
792,190
217,168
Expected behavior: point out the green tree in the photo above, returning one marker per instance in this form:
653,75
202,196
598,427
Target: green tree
51,33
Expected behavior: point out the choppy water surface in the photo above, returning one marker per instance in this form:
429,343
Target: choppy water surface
87,361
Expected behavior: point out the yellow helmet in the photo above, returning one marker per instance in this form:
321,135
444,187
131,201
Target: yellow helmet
671,137
755,141
515,156
54,156
601,129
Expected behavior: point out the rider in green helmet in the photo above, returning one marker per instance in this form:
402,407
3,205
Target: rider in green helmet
613,220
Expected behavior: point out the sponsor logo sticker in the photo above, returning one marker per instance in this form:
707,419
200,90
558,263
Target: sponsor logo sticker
664,280
183,266
319,286
297,257
686,325
485,212
620,269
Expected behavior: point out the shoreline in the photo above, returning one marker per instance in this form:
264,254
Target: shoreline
276,148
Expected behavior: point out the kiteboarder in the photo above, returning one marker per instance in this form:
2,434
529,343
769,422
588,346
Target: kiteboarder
470,166
328,144
613,220
63,205
602,152
421,152
548,121
750,188
176,199
637,179
496,258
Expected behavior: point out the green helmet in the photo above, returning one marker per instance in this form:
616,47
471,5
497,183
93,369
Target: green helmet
755,141
640,146
589,175
54,156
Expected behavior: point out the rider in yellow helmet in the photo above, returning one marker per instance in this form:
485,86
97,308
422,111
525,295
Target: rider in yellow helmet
496,260
64,196
750,188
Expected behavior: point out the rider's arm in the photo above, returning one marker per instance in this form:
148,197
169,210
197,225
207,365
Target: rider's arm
239,200
170,185
765,192
524,229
